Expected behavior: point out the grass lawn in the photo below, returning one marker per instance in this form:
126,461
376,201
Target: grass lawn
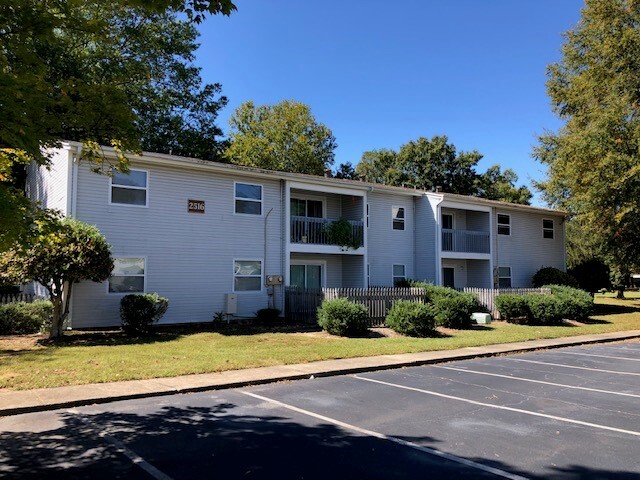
92,357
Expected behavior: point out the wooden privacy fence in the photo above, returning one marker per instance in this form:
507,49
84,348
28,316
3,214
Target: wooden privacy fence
301,304
18,297
487,296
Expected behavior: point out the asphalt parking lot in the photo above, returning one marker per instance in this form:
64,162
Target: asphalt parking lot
567,413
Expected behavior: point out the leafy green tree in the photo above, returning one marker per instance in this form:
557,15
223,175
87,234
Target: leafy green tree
346,171
495,184
285,137
380,166
593,160
115,72
61,255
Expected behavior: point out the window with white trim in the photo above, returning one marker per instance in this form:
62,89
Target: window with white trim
247,275
504,277
129,188
248,198
547,228
398,218
399,273
128,275
504,224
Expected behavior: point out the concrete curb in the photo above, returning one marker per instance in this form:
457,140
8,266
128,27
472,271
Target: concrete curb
28,401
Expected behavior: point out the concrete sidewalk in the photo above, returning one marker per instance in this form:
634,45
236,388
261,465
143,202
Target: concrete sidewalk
24,401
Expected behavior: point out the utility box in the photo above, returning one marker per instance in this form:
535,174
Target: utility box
231,303
481,318
272,280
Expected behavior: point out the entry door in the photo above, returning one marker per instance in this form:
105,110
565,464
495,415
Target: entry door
306,276
448,277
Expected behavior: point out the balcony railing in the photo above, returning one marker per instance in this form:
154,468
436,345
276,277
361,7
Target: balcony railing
465,241
318,231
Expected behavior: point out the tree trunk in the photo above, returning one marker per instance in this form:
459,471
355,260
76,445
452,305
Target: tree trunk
56,319
620,291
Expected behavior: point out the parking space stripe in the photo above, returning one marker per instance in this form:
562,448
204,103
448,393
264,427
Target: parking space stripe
572,366
602,356
502,407
382,436
122,448
510,377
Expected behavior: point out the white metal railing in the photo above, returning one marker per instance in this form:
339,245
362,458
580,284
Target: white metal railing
316,231
465,241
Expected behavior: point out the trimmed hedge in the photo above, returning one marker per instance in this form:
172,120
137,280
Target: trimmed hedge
577,304
513,308
139,311
344,318
411,318
544,309
553,276
454,311
267,315
20,318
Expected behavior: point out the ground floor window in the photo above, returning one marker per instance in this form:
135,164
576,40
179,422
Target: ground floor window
504,277
247,275
306,276
128,275
399,273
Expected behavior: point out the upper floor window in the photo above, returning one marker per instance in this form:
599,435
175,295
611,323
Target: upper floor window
127,275
129,188
398,218
306,208
248,198
547,228
504,224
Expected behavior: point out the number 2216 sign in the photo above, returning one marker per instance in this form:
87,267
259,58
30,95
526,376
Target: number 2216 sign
195,206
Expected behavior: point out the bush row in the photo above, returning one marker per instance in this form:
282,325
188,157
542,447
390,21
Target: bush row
21,317
539,309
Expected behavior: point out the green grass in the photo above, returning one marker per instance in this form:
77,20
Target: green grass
80,358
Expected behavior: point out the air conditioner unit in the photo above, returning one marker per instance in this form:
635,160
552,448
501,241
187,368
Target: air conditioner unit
231,304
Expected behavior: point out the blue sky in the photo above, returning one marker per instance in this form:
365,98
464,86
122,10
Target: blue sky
382,73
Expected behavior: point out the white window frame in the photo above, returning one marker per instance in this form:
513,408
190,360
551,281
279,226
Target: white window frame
261,201
552,229
316,263
146,189
510,277
306,198
403,219
498,224
394,276
233,275
144,276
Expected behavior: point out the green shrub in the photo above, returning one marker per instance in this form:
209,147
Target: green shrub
21,317
454,310
411,318
140,311
513,308
344,318
553,276
544,309
432,291
268,315
576,304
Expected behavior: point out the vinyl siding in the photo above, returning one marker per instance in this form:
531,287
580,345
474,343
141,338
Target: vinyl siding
50,186
333,266
479,274
353,271
425,239
189,256
525,251
386,246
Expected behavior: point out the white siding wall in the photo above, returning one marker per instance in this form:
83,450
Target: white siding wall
189,256
50,186
425,239
387,246
525,251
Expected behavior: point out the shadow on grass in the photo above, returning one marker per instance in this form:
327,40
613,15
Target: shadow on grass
233,329
234,441
610,309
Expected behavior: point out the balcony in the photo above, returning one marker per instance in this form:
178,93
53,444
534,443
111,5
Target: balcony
465,241
323,231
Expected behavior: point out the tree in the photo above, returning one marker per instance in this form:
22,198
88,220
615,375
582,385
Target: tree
429,163
284,137
593,159
63,254
346,171
115,72
592,275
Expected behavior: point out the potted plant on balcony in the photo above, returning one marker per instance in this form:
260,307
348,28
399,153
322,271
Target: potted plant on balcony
341,233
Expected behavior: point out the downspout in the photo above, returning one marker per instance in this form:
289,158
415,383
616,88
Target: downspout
271,301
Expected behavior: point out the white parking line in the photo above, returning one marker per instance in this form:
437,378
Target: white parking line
602,356
571,366
502,407
122,448
399,441
510,377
